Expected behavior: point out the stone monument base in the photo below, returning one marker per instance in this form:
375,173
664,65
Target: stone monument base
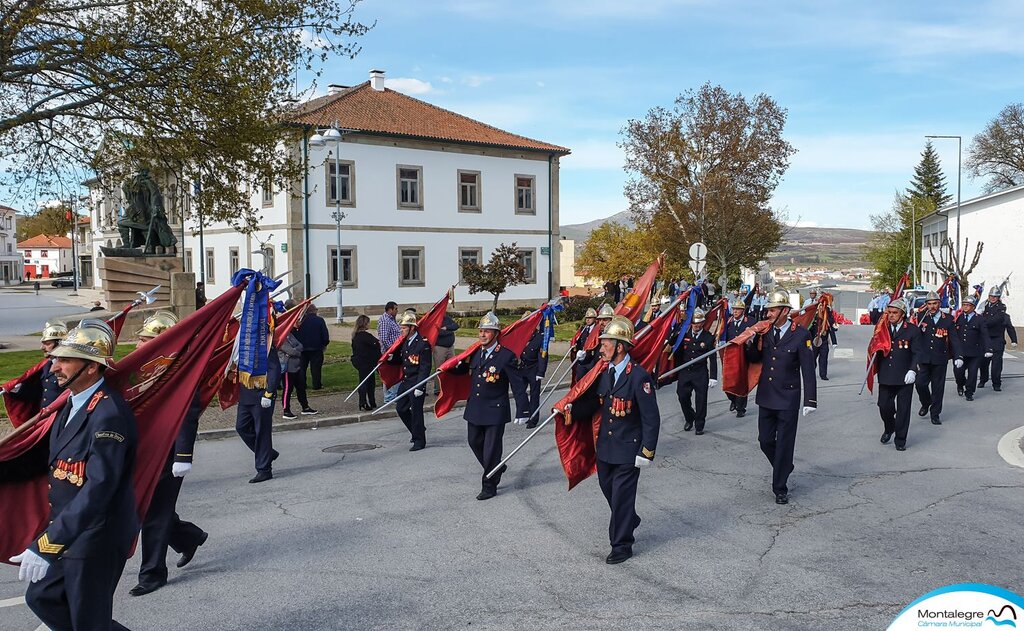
122,278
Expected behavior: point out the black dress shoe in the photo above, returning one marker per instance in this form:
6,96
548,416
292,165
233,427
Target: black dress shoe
688,426
486,494
969,397
532,423
417,446
145,588
261,476
186,555
959,391
636,522
618,556
782,498
699,432
923,411
981,384
741,413
936,421
275,453
886,437
998,388
901,447
824,378
732,407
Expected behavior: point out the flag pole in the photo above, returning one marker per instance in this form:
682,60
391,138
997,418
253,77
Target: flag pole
395,400
520,446
372,373
30,423
554,386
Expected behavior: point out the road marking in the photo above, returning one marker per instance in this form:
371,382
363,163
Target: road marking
1010,447
843,353
12,602
42,627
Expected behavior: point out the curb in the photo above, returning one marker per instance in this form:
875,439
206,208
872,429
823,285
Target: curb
333,421
1011,447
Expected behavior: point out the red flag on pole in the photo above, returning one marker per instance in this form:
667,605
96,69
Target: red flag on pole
455,387
158,381
633,303
576,437
429,326
648,349
738,375
881,342
900,286
25,404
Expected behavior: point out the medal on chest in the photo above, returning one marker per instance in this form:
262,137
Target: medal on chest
491,375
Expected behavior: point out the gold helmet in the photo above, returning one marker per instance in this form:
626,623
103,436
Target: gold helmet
619,329
779,298
606,312
407,319
526,314
698,316
92,340
591,313
490,322
157,324
54,332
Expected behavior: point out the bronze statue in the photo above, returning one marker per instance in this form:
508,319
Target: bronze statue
144,223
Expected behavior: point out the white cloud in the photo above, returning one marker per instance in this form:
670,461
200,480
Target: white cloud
309,40
446,79
475,81
408,85
860,153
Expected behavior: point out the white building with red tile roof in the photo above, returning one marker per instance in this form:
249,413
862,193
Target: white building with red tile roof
421,189
11,266
45,255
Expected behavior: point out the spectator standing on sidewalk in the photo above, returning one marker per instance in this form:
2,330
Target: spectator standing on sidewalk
290,357
443,349
314,337
366,353
387,332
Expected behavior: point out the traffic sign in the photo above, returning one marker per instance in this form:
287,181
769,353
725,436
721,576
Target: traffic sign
696,266
698,251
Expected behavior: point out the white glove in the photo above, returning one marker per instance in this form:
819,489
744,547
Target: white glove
909,377
33,567
987,355
521,420
808,409
179,469
540,377
265,403
958,363
417,393
16,388
580,355
1013,344
712,383
640,462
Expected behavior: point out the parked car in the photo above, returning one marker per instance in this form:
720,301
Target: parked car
66,281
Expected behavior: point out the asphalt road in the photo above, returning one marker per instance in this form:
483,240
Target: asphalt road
24,312
387,539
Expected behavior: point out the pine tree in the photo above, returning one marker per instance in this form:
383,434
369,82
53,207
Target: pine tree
929,182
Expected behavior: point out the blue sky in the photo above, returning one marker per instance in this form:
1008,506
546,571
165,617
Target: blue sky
863,82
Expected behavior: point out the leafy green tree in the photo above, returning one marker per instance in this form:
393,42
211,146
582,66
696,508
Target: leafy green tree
193,89
50,220
929,181
502,271
891,248
705,170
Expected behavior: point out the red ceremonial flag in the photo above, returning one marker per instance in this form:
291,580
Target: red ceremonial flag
117,321
881,342
25,405
158,381
650,341
455,387
429,326
803,317
575,437
900,286
716,315
738,375
633,303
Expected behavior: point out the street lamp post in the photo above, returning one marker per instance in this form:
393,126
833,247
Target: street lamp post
334,135
959,162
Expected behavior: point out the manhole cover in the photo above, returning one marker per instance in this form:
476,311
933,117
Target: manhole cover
350,448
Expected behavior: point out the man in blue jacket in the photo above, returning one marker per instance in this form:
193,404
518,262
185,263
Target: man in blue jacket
492,369
938,344
999,327
254,420
628,435
973,344
533,363
785,354
313,335
414,356
897,373
74,565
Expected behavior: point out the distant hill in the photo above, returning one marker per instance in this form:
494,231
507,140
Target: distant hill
834,247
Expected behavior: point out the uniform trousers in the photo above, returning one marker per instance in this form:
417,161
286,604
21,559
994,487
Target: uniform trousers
485,441
78,594
996,372
967,376
314,361
693,385
776,432
162,528
740,403
821,356
931,385
528,402
618,483
255,426
410,410
894,407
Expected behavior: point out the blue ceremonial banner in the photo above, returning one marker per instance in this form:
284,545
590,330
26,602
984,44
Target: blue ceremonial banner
549,322
691,304
255,327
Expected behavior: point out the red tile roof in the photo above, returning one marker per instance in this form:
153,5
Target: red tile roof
392,113
45,241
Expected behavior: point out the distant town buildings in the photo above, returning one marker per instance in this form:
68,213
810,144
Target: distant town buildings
11,261
45,255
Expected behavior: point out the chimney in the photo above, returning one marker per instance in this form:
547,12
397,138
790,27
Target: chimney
335,88
377,80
